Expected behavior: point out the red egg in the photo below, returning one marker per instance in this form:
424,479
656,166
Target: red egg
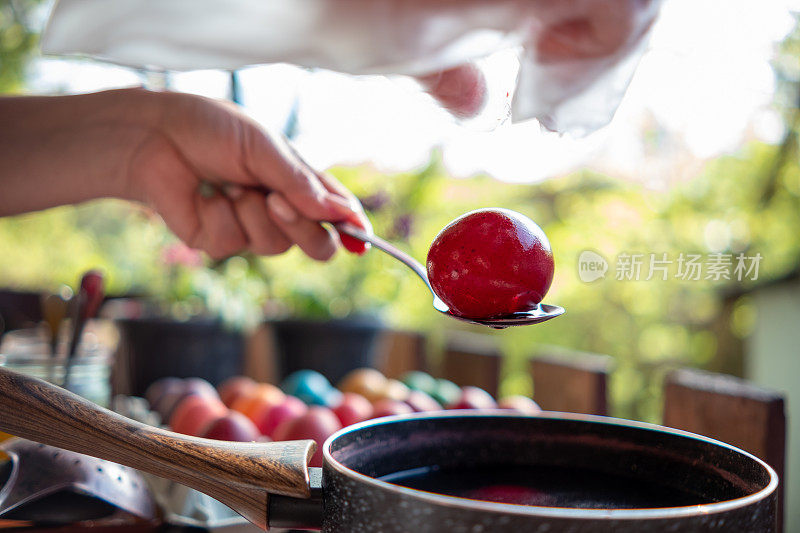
353,408
474,398
194,413
421,402
289,409
317,424
232,426
234,387
387,407
490,263
522,404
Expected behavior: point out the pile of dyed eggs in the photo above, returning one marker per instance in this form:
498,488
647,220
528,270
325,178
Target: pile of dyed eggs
307,406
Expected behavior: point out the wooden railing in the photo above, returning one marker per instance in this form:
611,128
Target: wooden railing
715,405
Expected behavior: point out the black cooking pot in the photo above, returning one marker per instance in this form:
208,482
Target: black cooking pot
576,473
450,471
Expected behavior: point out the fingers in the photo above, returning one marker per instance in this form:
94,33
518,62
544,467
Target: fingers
201,218
276,166
314,195
461,90
315,240
220,233
223,146
359,218
272,225
346,207
592,31
248,220
264,237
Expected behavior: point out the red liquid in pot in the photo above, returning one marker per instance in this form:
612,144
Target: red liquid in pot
545,486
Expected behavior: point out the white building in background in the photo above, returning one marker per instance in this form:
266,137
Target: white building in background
773,360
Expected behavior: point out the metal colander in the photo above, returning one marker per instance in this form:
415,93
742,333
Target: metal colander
49,485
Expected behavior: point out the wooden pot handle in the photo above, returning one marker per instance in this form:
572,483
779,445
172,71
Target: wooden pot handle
239,474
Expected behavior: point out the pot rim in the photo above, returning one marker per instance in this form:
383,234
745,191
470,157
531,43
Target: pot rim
552,512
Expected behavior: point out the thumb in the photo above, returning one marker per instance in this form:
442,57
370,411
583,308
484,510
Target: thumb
461,90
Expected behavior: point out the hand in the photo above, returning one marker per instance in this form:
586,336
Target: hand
461,90
561,33
220,182
224,185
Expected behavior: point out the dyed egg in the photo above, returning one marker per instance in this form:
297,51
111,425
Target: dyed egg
446,392
422,402
387,407
367,382
194,413
233,388
416,380
160,387
261,398
270,419
308,385
395,390
318,423
473,398
519,403
352,409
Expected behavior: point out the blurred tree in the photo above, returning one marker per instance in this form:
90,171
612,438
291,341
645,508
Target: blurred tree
18,40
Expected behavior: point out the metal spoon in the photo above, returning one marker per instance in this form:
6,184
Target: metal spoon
540,313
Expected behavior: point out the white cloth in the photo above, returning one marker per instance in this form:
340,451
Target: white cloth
576,56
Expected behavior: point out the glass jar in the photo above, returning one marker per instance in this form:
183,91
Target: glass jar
28,352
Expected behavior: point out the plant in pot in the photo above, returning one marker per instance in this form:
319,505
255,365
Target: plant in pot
192,321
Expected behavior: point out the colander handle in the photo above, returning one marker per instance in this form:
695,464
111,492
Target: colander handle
239,474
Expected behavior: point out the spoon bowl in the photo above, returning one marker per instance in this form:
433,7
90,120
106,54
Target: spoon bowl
540,313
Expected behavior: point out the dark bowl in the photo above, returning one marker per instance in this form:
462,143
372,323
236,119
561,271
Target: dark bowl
576,473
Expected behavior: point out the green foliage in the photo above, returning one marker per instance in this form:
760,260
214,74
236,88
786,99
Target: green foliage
18,42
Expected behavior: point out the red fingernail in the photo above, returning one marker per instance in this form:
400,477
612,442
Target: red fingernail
353,245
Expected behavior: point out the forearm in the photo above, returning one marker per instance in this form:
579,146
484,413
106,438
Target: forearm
67,149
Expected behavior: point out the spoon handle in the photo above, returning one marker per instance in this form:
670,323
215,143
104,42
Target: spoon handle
377,242
239,474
